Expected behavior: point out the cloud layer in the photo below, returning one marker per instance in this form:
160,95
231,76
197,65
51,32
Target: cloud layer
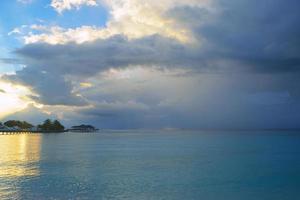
194,63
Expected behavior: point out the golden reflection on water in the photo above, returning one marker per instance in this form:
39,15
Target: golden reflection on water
18,155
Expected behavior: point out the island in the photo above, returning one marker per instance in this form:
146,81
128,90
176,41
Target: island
83,128
48,126
51,127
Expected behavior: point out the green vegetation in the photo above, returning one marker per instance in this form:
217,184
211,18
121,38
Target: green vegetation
48,126
21,124
51,126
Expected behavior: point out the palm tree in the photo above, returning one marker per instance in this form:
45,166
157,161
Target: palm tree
47,125
57,126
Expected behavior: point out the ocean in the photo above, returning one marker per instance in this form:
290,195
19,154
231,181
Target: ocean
151,165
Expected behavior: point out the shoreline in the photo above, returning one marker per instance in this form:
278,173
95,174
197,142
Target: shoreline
25,132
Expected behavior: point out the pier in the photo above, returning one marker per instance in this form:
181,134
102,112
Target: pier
28,132
17,132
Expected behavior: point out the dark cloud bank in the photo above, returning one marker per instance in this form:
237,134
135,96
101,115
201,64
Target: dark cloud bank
247,63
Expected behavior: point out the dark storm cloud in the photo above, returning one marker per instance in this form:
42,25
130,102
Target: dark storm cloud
50,88
48,65
262,35
89,58
116,109
252,37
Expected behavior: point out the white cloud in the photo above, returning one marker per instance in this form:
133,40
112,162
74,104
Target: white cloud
14,31
132,18
61,5
25,1
59,35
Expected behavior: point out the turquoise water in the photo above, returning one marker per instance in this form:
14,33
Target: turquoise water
150,165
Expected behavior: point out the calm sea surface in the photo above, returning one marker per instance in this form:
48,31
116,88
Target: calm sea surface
146,165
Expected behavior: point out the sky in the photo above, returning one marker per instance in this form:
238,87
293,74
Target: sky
126,64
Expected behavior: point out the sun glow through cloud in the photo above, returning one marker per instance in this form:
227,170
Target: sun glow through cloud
12,98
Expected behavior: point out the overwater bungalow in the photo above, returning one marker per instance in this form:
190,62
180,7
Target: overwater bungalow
35,129
3,128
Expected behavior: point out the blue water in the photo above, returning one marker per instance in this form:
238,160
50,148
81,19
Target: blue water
150,165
